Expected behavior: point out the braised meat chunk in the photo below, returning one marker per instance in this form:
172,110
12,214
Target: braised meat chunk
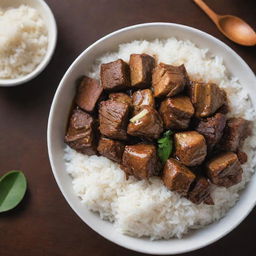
88,93
235,132
115,75
224,109
168,80
142,98
176,112
212,129
141,66
112,149
177,177
207,98
121,97
209,200
81,133
113,117
225,170
199,190
190,148
242,157
140,160
147,123
153,120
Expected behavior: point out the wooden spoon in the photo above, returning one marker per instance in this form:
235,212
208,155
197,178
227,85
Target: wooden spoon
232,27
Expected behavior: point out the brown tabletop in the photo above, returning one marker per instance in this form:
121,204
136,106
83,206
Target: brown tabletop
44,224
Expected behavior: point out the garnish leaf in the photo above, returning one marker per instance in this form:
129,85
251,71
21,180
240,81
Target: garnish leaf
139,116
13,186
165,145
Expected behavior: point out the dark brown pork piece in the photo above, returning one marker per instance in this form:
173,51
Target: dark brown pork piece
190,148
115,75
224,170
177,177
113,117
142,98
147,123
81,133
176,112
199,190
168,80
121,97
140,160
242,157
224,109
88,93
141,66
206,98
235,132
111,149
212,129
209,200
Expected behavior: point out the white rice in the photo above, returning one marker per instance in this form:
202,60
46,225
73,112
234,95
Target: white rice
23,41
147,208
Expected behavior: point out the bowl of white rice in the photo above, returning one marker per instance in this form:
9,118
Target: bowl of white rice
143,215
28,35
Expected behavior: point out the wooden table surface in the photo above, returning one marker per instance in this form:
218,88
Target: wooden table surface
44,224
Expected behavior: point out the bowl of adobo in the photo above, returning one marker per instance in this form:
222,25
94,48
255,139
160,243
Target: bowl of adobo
151,138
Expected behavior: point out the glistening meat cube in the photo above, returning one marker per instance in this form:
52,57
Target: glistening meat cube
88,93
235,132
177,177
115,75
140,160
112,149
212,129
142,98
190,148
147,123
81,133
121,97
209,200
225,170
207,98
199,190
242,157
168,80
113,117
141,66
176,112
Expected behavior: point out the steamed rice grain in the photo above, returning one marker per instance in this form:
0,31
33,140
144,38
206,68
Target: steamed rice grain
23,41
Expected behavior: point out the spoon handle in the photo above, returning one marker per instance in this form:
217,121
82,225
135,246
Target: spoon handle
207,10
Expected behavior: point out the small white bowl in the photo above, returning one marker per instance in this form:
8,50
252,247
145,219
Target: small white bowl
51,26
59,115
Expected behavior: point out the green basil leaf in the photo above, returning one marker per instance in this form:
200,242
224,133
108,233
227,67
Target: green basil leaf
160,141
168,133
13,186
165,146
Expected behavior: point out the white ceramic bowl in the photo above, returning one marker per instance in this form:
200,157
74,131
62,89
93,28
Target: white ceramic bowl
59,115
51,26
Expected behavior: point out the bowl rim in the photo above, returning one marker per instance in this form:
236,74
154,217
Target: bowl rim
49,53
49,135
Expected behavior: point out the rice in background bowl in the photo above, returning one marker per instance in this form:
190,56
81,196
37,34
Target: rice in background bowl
50,24
23,41
59,113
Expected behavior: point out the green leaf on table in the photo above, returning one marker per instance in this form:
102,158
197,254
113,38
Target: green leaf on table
13,186
165,145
